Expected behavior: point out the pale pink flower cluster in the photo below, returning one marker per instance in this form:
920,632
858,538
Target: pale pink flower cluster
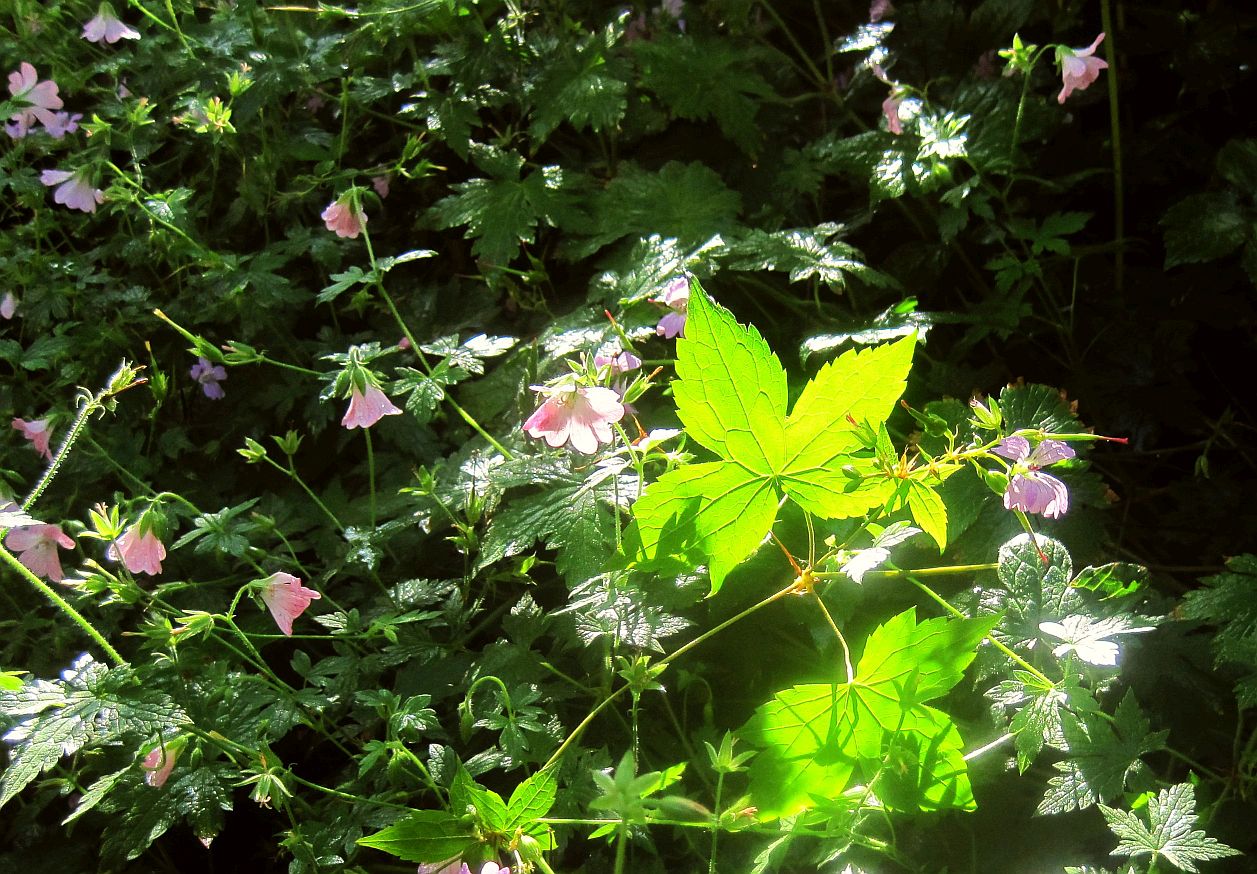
1029,489
8,306
105,27
344,217
579,414
676,296
287,599
74,189
36,546
140,552
39,103
37,433
1079,68
367,408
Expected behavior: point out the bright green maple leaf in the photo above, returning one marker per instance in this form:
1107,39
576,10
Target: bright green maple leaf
816,738
731,397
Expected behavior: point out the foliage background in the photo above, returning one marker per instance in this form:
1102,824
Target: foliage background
559,162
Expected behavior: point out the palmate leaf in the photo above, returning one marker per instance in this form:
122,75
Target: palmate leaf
815,738
731,397
1169,833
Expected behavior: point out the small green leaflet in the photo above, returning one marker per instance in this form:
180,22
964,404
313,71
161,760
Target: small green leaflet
731,397
476,815
1169,833
816,738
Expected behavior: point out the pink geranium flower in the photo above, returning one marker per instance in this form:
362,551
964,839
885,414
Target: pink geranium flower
8,306
73,189
63,123
39,100
380,184
209,376
1079,68
106,27
287,599
344,217
140,553
580,414
38,433
365,409
36,546
617,364
1029,489
159,763
676,296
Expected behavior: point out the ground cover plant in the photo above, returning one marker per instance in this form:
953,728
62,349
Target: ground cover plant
736,436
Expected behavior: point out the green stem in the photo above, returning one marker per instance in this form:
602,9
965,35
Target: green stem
292,474
946,605
63,605
666,660
414,345
366,432
715,825
1115,127
948,570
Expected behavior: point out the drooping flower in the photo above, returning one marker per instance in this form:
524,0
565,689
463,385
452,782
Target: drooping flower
63,123
890,109
365,409
38,433
344,217
106,27
159,762
580,414
8,306
617,364
139,551
36,546
39,100
676,296
73,189
287,599
1079,67
1029,489
209,375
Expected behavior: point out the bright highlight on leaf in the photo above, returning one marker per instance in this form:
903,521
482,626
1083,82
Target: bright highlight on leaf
817,739
731,397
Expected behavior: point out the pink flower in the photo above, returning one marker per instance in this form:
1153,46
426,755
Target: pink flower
1030,490
1078,68
580,414
36,546
73,189
367,409
106,26
403,343
37,433
209,376
880,9
63,123
287,599
8,306
140,553
890,109
380,184
344,218
39,99
677,297
159,763
621,363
